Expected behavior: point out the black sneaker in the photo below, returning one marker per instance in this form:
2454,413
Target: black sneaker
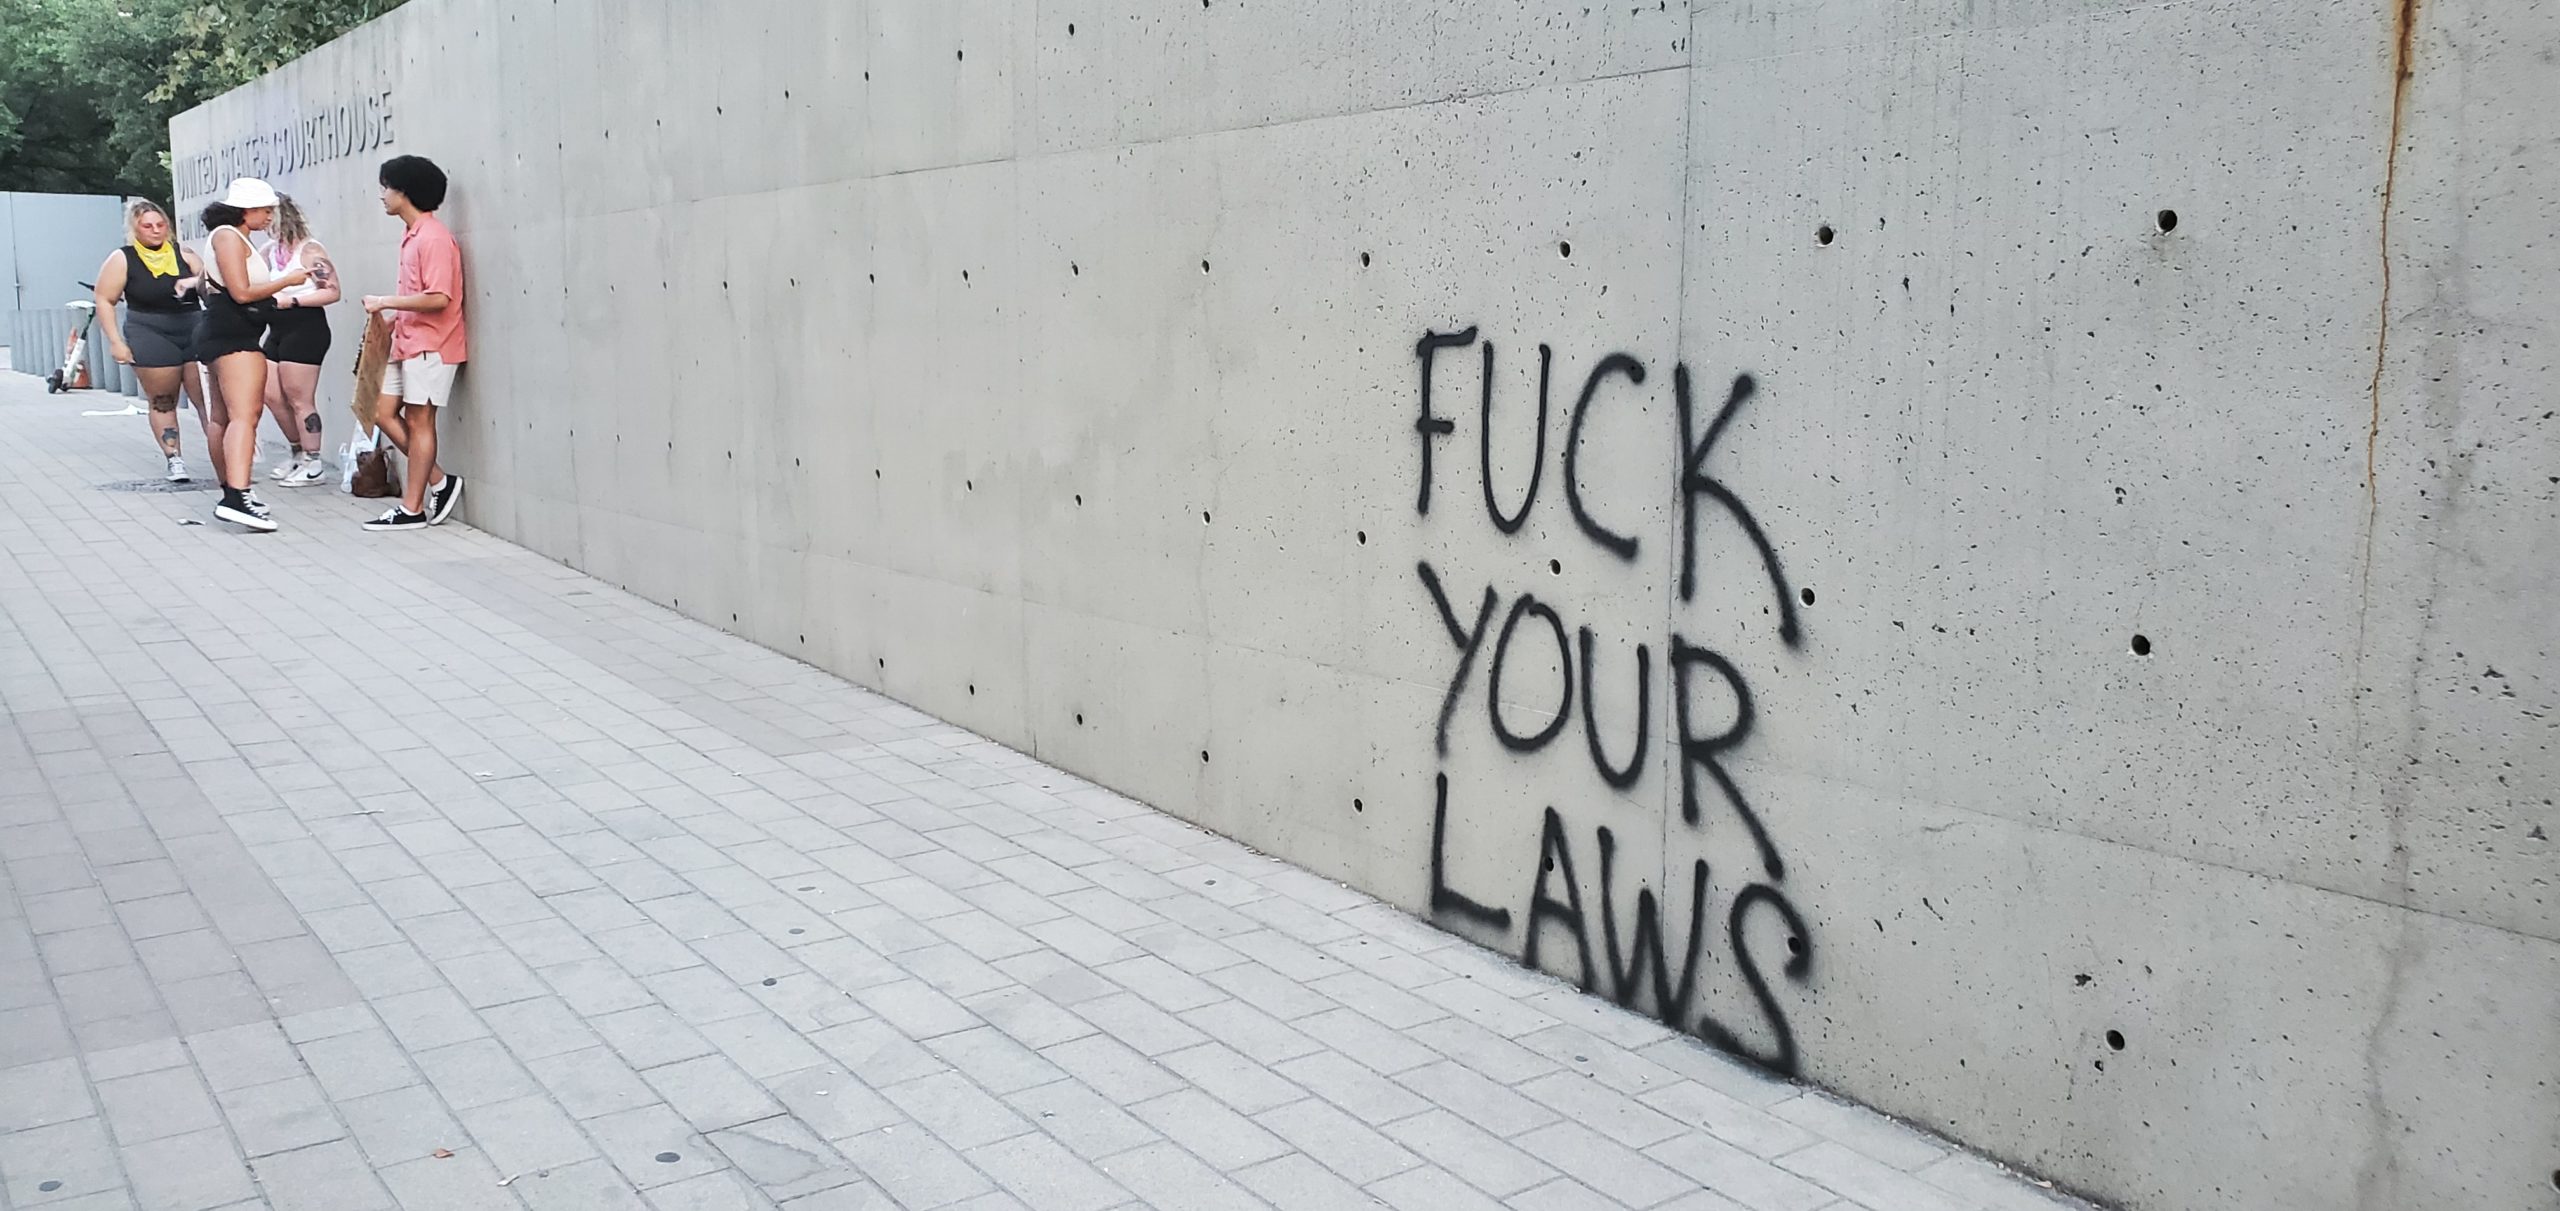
396,518
440,504
240,509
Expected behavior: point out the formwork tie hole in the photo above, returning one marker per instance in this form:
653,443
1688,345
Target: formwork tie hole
2167,219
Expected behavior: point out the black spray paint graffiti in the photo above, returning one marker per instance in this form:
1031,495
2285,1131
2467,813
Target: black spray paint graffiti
1636,956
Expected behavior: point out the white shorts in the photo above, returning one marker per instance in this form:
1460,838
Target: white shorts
424,379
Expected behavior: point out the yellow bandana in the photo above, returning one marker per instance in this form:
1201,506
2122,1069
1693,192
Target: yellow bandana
161,261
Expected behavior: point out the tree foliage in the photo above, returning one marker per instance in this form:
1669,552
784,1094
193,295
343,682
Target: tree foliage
87,87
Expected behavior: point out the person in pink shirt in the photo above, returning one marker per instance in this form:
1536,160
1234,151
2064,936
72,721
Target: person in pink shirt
427,342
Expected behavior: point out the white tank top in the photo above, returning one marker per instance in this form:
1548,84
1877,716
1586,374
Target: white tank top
259,272
280,259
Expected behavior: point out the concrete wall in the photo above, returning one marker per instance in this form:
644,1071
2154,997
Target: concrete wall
2099,672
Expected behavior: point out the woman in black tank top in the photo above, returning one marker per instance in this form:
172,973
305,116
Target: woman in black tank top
156,279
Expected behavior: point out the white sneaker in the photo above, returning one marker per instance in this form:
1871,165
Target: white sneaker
303,474
178,471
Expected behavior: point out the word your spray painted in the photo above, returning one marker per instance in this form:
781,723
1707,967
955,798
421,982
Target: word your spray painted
1637,954
320,134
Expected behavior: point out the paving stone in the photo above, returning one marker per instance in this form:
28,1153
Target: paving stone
1603,1164
592,1082
327,1177
1210,1129
912,1167
41,1094
354,1065
196,1169
154,1105
635,1140
1171,1179
1868,1181
1341,1142
401,1125
280,1116
593,1185
478,1072
711,1093
525,1134
1045,1175
1489,1163
465,1181
783,1159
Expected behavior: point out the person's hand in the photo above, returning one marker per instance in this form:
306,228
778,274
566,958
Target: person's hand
188,285
294,277
373,304
123,353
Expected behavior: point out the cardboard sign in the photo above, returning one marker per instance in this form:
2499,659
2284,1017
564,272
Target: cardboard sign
371,358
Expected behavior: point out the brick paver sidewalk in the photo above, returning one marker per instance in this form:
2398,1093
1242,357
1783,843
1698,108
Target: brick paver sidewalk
348,871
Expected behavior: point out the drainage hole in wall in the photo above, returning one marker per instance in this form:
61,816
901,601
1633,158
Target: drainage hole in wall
1822,235
2115,1040
1806,595
2167,219
1564,248
2141,645
1555,567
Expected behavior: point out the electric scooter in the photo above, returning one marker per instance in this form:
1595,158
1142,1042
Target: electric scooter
74,359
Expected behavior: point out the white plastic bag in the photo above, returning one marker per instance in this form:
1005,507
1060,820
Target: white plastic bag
359,444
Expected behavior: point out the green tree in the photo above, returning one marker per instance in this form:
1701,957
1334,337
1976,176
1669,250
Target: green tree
87,87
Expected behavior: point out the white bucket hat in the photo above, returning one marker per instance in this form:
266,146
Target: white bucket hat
249,193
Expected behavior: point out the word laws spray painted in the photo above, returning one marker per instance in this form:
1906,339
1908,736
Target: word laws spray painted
1555,892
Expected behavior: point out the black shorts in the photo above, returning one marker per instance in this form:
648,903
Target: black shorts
225,327
299,335
160,340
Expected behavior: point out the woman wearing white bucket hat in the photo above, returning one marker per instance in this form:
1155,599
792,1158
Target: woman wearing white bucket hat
229,334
